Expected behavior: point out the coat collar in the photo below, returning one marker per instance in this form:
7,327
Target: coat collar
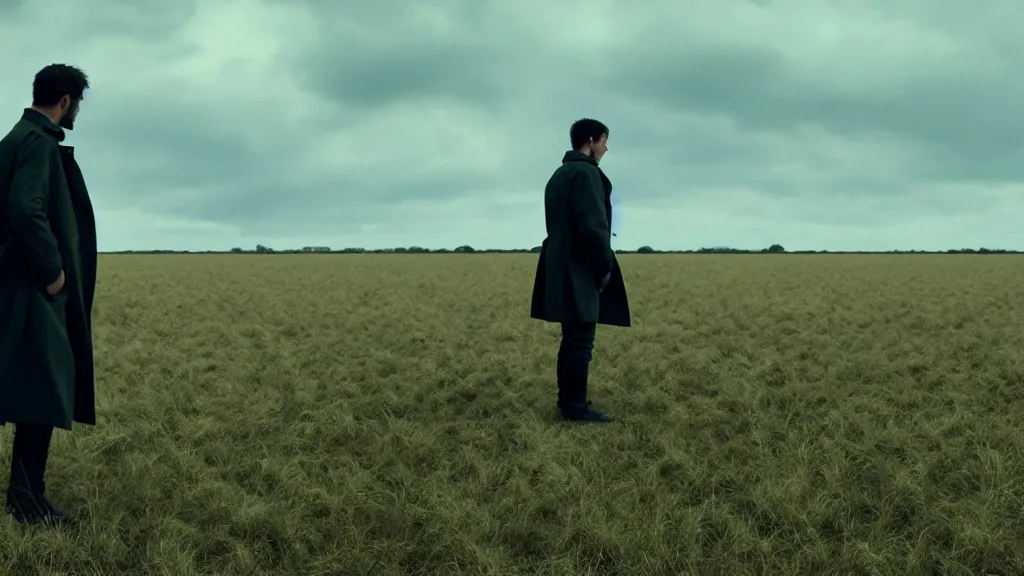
574,156
38,118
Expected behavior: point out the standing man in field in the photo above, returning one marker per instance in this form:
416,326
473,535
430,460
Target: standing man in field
579,283
47,282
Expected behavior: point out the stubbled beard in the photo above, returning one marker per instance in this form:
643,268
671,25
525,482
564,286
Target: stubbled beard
68,121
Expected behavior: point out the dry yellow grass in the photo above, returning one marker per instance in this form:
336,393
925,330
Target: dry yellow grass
388,414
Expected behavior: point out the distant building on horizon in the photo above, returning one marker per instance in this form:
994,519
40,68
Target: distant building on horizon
316,249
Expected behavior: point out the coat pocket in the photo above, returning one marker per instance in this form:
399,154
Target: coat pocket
58,302
61,296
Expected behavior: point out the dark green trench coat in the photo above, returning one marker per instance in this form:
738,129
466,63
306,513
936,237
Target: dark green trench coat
46,225
577,252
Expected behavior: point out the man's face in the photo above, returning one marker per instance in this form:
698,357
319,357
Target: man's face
70,109
599,147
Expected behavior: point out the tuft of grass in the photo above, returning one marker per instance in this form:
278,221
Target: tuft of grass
394,414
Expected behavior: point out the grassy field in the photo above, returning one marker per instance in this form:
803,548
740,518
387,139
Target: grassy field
394,414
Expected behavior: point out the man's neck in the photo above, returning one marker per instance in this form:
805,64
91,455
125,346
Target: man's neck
50,113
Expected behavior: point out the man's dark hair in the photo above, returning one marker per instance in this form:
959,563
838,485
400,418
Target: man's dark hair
585,129
57,80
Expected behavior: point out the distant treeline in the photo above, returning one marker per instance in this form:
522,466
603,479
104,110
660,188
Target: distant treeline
773,249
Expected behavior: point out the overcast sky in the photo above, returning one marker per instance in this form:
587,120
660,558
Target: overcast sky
860,125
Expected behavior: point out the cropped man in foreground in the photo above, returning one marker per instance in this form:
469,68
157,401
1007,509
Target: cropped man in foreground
579,283
47,282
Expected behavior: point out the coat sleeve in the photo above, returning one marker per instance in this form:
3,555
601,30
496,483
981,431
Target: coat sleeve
29,226
591,222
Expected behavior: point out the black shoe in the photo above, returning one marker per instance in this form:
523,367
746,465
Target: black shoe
586,415
29,508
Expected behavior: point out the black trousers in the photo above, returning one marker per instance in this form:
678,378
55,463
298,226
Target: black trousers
28,456
574,356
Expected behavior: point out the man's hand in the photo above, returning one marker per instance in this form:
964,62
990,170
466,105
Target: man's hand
57,286
604,282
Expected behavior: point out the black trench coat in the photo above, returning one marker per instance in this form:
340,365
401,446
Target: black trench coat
47,225
577,252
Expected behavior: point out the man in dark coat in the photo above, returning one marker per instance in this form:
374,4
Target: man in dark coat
579,283
47,282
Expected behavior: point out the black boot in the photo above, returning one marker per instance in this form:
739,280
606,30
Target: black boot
26,500
572,393
29,508
586,415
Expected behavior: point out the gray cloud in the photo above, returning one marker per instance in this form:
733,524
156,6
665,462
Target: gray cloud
967,113
341,71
